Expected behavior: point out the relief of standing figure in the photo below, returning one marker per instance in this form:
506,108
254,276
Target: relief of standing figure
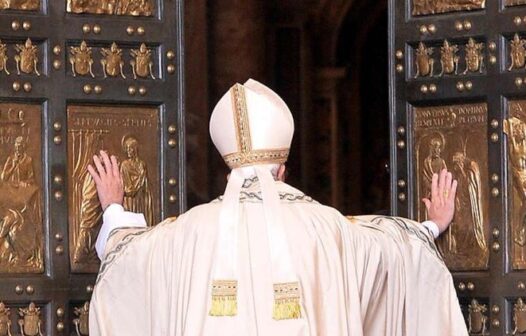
137,193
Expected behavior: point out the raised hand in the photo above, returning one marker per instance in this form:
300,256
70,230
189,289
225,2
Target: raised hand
441,206
108,179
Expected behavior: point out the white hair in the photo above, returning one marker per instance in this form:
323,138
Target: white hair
250,172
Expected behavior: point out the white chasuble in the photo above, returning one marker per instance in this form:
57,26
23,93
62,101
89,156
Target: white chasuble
370,275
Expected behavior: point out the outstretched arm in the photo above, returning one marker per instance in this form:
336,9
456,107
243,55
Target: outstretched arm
110,190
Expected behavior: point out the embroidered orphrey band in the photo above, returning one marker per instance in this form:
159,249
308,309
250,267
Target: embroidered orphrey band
224,298
286,301
245,155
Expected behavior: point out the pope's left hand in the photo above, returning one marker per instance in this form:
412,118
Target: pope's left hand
108,180
441,206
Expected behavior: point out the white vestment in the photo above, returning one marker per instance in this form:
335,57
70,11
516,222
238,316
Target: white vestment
367,275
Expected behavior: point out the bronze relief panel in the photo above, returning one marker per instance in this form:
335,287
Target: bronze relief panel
21,319
111,61
516,53
454,137
81,318
22,57
449,58
112,7
426,7
30,321
510,3
21,217
130,133
27,5
518,316
515,129
477,318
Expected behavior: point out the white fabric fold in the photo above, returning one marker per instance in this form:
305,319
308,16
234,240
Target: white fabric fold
225,267
282,268
114,217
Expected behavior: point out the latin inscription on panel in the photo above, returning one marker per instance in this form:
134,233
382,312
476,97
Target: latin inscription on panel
130,133
515,128
426,7
454,137
21,224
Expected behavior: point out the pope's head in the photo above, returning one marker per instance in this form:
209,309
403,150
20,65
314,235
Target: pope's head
251,125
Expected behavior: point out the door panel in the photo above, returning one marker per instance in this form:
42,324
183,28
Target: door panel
75,79
457,73
454,137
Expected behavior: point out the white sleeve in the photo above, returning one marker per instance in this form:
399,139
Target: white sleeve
431,226
114,217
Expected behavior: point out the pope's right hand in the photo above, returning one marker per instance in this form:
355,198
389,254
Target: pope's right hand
108,179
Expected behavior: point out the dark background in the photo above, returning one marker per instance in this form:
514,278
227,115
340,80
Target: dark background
328,60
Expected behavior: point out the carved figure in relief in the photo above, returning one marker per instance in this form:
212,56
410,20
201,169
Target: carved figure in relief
137,194
474,56
82,321
519,317
112,7
469,198
5,322
142,64
80,60
424,61
3,58
477,318
27,58
19,222
18,168
433,164
85,207
30,324
90,214
112,63
20,4
517,52
516,131
448,58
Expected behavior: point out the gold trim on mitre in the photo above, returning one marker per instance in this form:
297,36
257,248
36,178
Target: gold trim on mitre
246,156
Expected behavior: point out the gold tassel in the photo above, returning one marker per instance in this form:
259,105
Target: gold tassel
224,298
286,301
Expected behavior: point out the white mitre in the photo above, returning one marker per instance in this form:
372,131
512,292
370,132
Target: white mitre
251,125
252,128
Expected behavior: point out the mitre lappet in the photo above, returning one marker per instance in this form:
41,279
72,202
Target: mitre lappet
252,128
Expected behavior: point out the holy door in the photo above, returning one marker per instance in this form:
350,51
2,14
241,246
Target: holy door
77,77
458,101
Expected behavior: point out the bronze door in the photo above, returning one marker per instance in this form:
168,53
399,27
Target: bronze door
458,100
77,77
